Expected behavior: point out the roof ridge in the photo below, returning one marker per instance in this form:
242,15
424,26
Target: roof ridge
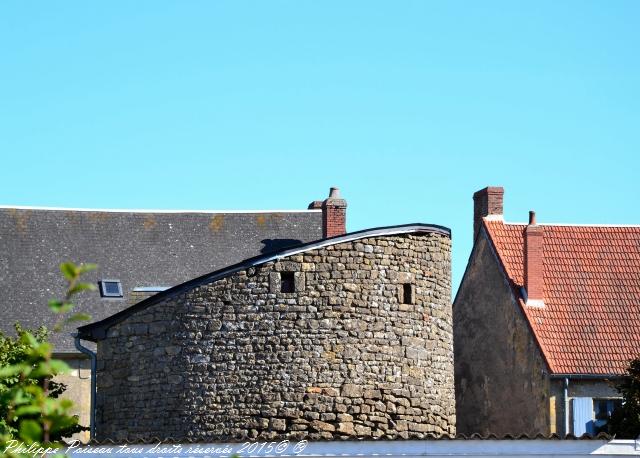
138,210
570,224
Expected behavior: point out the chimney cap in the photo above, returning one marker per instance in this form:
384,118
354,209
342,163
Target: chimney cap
532,218
488,190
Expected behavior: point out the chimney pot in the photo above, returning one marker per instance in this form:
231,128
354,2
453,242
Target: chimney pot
532,218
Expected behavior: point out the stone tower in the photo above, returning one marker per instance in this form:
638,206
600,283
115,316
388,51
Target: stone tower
344,337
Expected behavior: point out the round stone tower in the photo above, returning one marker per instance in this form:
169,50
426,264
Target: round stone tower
345,337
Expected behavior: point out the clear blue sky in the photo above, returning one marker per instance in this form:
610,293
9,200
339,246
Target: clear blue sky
408,107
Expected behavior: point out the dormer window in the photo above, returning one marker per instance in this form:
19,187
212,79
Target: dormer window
110,288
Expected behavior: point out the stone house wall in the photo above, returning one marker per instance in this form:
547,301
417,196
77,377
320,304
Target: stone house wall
502,386
362,348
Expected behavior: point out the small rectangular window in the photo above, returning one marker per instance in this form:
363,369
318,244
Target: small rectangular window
407,293
110,288
287,282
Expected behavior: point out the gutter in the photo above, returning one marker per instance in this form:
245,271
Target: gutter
92,356
566,406
586,376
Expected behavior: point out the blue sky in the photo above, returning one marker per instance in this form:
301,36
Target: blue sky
408,107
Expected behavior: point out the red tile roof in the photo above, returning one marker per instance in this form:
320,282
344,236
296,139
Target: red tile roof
590,323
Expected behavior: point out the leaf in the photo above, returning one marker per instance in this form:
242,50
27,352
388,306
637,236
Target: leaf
69,270
49,368
62,423
57,306
27,410
30,431
82,287
49,406
14,369
45,349
78,317
88,267
28,339
42,370
21,396
59,367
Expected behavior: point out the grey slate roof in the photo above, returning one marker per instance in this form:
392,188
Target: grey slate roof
139,248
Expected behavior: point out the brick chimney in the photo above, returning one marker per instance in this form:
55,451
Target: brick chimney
486,203
533,256
334,214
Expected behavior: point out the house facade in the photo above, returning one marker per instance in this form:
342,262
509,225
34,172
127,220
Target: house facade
546,320
345,337
138,253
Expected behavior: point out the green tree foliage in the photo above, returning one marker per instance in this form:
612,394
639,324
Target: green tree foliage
31,410
625,421
14,350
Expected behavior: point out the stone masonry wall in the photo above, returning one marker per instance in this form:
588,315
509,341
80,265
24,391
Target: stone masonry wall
346,355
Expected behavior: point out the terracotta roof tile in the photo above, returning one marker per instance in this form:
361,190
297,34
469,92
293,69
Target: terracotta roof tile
590,323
